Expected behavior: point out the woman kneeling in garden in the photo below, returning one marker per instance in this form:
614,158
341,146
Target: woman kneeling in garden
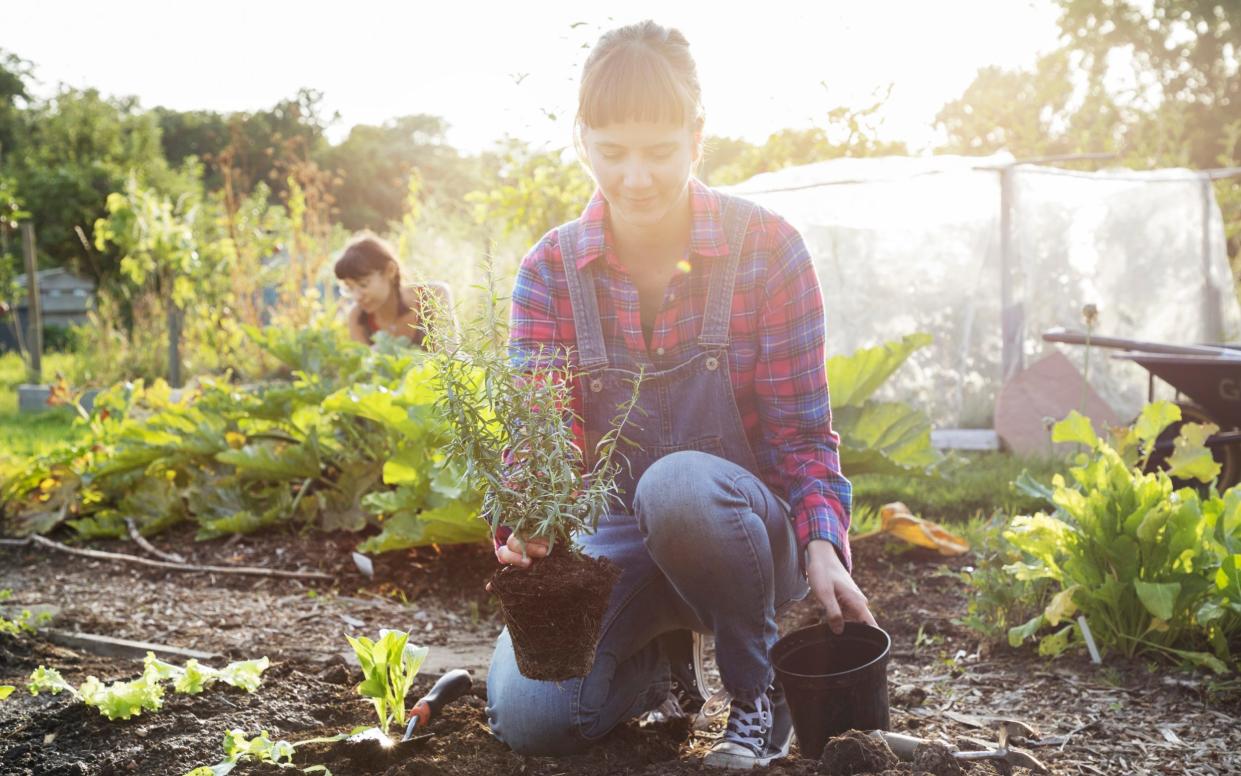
734,503
369,272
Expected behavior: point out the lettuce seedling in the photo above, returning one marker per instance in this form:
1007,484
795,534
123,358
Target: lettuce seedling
195,677
21,623
388,669
119,700
260,749
123,700
6,690
49,680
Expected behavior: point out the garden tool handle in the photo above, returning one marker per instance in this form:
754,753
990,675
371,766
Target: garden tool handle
447,689
902,746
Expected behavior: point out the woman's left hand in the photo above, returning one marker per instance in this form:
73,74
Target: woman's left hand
834,587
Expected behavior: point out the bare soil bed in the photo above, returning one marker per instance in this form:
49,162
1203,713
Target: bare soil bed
1121,718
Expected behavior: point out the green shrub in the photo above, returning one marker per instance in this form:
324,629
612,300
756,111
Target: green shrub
1152,569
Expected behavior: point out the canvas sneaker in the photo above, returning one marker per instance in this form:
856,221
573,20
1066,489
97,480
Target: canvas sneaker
684,651
757,733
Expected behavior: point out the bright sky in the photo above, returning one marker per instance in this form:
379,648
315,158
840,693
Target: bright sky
497,68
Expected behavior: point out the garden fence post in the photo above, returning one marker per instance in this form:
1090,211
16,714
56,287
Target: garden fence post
1212,318
34,313
1012,313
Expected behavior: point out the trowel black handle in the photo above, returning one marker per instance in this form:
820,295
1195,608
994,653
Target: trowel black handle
447,689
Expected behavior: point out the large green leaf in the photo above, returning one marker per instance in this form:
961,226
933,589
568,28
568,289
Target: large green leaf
1159,598
454,523
1075,428
273,461
1155,417
1228,579
1019,633
852,379
377,403
884,438
1191,458
342,503
410,466
154,505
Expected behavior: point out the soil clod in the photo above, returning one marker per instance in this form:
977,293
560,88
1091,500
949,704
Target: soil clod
856,752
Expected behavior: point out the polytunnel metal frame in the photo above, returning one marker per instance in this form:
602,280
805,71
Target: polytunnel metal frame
1012,313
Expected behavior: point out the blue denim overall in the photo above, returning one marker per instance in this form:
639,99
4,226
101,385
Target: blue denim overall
702,542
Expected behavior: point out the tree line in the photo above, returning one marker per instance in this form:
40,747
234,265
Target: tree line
1154,84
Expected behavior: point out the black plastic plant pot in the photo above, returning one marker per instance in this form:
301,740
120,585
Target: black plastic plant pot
833,683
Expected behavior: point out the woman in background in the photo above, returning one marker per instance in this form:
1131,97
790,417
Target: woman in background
371,276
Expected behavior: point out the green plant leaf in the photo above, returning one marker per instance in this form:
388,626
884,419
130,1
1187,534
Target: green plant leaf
244,674
48,680
1061,606
884,438
123,700
853,378
377,403
1027,484
1209,612
456,522
408,467
273,461
1202,660
1054,644
1075,428
1018,634
1158,597
1191,458
1155,417
6,690
222,769
389,666
1228,578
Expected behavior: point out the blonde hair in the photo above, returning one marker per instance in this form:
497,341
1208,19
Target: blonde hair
640,72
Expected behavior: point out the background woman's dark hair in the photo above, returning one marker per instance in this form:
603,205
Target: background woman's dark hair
367,253
640,72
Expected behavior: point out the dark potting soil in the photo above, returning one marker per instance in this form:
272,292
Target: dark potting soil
856,752
937,759
59,736
553,611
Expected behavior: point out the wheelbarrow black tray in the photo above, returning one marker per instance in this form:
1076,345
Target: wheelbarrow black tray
1211,382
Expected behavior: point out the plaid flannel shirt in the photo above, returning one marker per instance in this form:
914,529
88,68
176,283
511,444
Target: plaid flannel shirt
776,352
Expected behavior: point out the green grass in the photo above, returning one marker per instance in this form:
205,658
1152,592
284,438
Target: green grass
973,485
25,435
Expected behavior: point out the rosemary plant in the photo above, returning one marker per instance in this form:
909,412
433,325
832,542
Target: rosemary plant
512,425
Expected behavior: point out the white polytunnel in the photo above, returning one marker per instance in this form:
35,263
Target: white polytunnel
922,244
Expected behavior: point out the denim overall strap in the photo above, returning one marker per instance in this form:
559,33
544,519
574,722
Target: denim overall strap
735,215
592,352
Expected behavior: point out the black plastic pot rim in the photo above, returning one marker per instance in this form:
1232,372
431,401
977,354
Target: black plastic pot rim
878,660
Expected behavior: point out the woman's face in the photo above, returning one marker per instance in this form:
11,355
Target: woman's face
370,291
642,168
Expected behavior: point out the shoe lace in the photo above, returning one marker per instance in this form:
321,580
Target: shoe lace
750,724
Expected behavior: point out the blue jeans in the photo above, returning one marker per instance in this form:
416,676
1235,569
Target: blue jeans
709,547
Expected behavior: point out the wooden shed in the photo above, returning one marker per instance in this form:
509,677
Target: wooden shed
64,297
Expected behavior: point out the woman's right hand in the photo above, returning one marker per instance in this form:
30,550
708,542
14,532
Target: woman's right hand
510,553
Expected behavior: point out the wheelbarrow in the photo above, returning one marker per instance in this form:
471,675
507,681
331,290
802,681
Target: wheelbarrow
1207,381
